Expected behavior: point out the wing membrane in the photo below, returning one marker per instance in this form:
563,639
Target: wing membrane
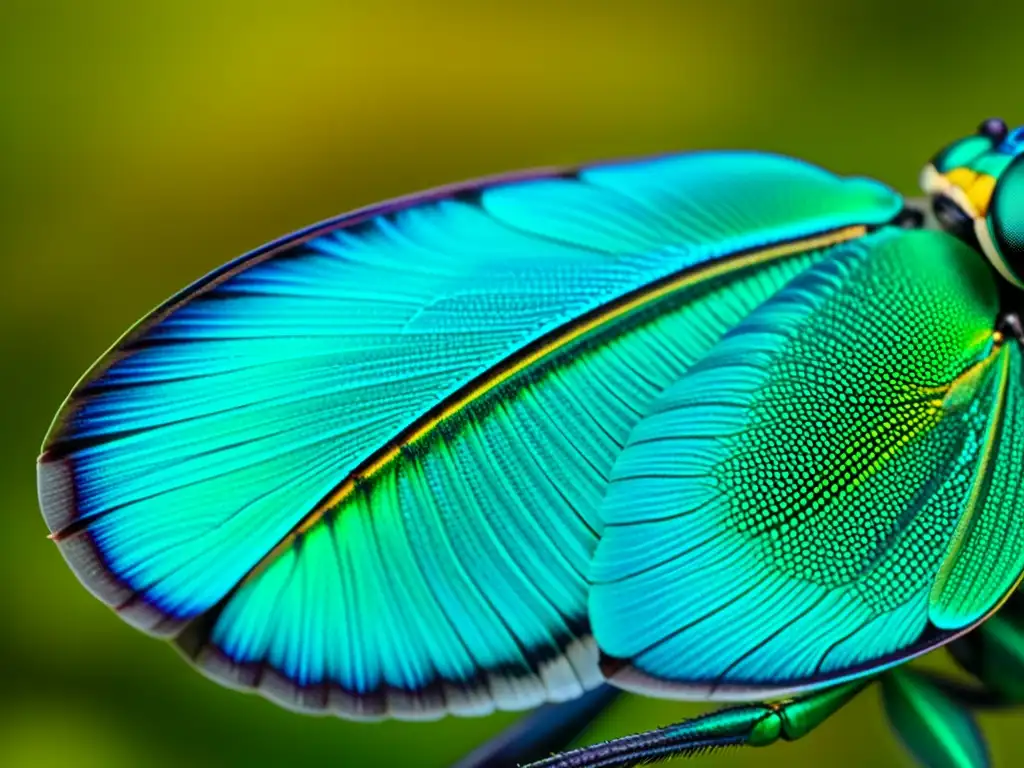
781,515
467,560
986,557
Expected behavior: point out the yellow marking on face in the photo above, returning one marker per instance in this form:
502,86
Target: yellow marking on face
569,333
934,183
970,190
980,193
961,177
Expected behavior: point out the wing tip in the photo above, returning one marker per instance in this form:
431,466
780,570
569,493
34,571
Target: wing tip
55,486
86,562
58,501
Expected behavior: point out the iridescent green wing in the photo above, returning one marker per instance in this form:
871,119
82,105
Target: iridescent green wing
986,554
828,491
360,469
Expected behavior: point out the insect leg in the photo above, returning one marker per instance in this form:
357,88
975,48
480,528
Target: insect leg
547,729
751,725
933,726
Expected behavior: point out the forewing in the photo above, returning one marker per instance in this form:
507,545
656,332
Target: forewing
370,458
781,516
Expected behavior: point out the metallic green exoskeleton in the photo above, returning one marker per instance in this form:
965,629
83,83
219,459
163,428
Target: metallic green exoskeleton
719,426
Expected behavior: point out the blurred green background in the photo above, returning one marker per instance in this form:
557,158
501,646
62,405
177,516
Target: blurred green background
144,144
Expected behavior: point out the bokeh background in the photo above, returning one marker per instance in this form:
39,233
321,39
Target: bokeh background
142,144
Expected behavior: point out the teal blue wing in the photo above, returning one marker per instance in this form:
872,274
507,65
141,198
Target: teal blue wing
360,469
828,491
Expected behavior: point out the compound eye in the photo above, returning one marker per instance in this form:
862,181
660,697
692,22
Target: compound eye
994,129
1005,223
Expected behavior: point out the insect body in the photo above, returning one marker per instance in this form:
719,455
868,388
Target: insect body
717,425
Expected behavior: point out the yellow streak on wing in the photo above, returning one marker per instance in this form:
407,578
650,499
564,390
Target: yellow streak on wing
943,398
384,456
962,390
